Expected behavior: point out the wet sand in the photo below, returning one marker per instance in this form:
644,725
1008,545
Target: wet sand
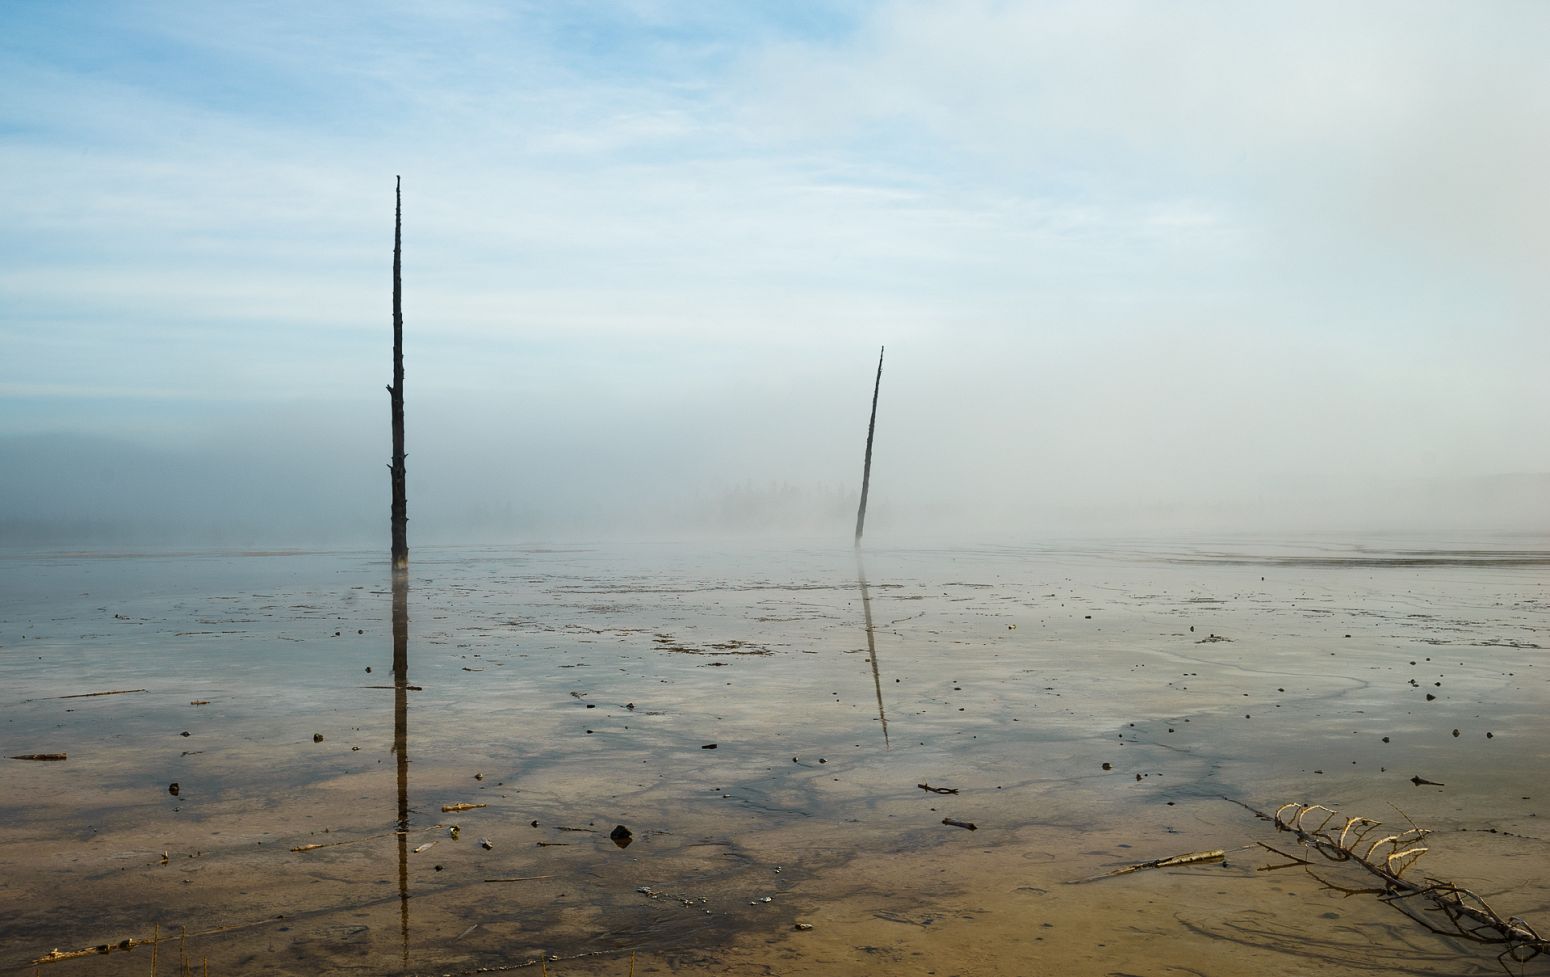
1093,706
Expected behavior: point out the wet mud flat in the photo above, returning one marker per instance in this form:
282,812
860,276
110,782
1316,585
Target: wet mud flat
795,744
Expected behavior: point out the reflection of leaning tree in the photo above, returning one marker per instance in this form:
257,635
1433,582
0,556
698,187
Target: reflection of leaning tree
1442,907
400,511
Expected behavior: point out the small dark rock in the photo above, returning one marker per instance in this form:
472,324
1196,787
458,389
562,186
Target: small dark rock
185,733
317,737
1108,766
173,788
621,836
707,746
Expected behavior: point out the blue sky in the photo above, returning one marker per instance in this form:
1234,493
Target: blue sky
1190,254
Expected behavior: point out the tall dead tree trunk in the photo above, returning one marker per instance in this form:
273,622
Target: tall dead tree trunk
866,466
400,510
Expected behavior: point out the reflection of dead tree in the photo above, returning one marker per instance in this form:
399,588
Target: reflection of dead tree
1387,857
871,641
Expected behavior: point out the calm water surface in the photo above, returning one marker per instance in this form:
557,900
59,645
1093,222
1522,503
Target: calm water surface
761,720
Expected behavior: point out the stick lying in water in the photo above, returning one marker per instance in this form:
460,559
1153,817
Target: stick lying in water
41,756
89,695
1173,861
938,790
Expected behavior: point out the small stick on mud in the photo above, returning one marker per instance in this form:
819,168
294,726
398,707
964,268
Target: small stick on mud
938,790
525,878
451,808
1173,861
41,756
954,822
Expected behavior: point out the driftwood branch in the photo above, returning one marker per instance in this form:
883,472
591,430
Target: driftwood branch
1387,857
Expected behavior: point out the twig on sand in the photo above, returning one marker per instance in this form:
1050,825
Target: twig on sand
525,878
41,756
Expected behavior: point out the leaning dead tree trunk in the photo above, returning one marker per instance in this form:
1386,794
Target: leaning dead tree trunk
866,466
400,510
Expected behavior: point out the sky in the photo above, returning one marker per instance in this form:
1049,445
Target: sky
1205,266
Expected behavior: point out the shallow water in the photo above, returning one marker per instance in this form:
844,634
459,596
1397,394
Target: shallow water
578,688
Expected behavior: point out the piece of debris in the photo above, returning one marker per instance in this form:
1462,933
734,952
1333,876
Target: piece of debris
423,847
317,737
802,927
486,844
1422,781
938,790
41,756
56,955
306,847
199,702
173,788
452,808
961,824
525,878
708,746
